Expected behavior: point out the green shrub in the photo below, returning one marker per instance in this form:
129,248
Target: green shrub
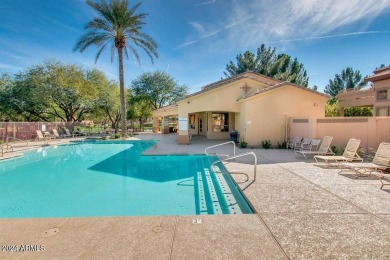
243,144
337,151
282,145
266,144
116,136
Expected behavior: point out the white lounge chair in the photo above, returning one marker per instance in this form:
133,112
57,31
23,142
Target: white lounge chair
350,154
56,134
380,163
42,137
324,148
314,144
304,145
69,134
294,142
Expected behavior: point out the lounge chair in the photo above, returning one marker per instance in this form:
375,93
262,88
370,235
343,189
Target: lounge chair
322,150
56,134
68,134
304,145
314,144
42,137
380,163
350,154
294,142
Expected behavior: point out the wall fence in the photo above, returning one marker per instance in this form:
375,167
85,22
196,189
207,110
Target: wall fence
370,130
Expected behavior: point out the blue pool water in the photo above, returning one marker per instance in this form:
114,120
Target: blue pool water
113,179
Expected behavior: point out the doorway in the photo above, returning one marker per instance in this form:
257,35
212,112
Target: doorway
200,126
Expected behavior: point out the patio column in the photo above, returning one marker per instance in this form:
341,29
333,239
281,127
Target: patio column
165,125
156,125
183,137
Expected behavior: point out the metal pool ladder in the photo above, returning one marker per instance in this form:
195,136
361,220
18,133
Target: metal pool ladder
229,158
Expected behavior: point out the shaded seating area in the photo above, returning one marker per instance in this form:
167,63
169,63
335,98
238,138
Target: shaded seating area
380,162
349,154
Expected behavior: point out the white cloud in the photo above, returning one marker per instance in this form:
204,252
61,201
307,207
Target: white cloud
207,2
252,21
329,36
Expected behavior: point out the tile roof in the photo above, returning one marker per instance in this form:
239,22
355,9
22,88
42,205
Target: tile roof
271,82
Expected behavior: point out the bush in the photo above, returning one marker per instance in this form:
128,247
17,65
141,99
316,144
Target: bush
337,151
282,145
266,144
116,136
243,144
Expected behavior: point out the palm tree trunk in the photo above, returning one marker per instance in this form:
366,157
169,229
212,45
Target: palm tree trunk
122,93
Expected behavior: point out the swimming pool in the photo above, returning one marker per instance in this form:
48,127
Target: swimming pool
112,179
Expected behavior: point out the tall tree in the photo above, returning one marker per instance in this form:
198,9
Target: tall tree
267,62
140,110
6,111
52,91
120,26
157,88
347,79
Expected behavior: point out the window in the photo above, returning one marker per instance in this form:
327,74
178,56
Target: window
220,122
382,94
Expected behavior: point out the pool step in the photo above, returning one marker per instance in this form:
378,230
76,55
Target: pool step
231,201
213,192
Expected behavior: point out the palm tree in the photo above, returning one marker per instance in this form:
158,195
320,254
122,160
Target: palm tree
119,26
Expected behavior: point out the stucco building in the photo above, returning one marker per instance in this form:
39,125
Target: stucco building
256,106
377,97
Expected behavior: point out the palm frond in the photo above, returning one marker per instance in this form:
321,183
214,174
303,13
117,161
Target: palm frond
100,51
136,55
115,21
99,24
112,52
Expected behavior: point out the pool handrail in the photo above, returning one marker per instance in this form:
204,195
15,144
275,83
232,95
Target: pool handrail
237,156
213,146
15,140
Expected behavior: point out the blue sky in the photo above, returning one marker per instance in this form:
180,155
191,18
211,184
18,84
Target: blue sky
197,38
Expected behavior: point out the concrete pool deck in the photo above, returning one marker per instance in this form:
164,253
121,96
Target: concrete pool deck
302,212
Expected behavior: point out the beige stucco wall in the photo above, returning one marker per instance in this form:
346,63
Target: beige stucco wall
370,130
381,107
221,99
267,114
258,117
382,84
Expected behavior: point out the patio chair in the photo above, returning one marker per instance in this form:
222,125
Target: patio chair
41,136
304,145
294,142
56,134
69,134
350,154
324,148
314,144
380,163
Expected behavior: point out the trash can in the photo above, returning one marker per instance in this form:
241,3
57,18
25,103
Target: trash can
234,136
